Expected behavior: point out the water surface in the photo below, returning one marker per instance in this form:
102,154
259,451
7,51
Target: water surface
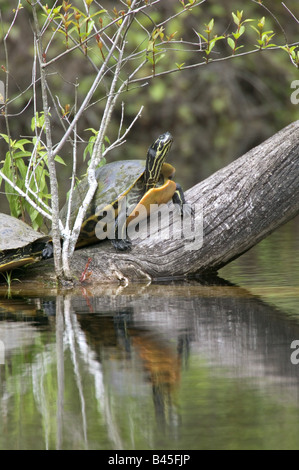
161,366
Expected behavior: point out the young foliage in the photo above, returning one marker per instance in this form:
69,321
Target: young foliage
209,40
264,37
233,40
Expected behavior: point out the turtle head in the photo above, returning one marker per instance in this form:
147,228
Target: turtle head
156,156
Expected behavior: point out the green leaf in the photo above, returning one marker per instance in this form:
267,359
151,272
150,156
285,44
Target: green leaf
231,43
98,13
241,30
255,29
5,137
211,25
20,164
58,159
212,44
159,57
36,218
7,168
38,120
24,141
92,130
202,37
74,28
32,124
89,147
261,23
90,27
236,19
33,214
21,155
18,145
102,162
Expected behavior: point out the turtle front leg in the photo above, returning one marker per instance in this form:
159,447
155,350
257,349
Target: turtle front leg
47,251
122,243
179,199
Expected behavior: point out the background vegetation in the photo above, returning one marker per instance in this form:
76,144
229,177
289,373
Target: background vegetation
215,112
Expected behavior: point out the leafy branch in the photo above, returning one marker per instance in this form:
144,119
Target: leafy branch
233,40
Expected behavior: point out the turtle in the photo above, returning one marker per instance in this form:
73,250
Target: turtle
19,243
137,182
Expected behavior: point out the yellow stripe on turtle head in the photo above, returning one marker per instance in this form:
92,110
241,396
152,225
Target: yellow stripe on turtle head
156,156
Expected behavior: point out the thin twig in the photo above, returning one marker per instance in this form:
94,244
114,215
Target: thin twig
131,12
13,21
274,17
291,13
121,139
199,64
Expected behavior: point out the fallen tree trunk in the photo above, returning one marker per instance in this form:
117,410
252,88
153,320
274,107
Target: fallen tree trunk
242,204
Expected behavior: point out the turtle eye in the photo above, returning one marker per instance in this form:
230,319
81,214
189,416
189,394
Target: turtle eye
164,139
161,146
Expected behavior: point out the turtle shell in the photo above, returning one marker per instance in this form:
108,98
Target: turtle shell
19,243
115,180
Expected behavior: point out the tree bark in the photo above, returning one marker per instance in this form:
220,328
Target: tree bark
242,204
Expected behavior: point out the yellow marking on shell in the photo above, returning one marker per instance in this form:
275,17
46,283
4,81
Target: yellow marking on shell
17,264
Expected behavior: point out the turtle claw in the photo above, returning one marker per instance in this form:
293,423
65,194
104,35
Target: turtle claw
47,251
122,244
187,210
184,210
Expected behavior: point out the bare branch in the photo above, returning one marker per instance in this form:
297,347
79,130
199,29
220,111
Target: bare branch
13,21
291,13
70,242
121,139
199,64
51,162
90,93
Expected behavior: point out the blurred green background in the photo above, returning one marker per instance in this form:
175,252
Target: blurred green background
215,112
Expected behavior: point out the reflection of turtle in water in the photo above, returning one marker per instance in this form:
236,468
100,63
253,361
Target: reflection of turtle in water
19,243
137,182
